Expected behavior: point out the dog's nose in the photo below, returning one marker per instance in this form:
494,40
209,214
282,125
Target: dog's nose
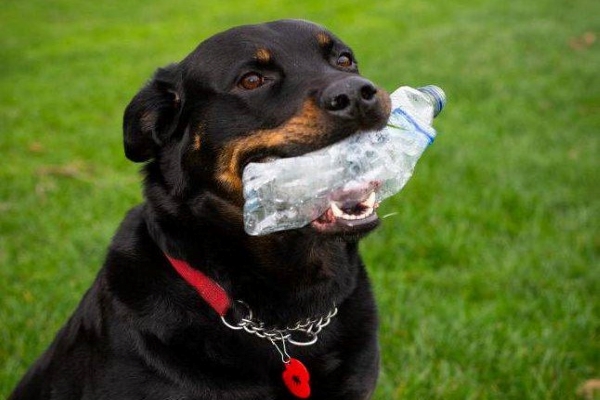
349,98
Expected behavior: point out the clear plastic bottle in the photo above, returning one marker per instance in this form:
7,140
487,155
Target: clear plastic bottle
289,193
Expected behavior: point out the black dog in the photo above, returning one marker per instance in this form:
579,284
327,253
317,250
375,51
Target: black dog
150,327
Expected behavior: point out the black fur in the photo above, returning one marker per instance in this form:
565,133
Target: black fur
141,332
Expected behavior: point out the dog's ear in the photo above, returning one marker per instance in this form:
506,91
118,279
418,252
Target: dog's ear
153,114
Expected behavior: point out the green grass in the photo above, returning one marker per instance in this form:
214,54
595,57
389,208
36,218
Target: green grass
488,271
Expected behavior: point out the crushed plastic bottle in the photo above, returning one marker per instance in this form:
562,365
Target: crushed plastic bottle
289,193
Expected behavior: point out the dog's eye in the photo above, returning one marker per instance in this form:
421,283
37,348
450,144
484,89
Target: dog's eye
251,81
345,60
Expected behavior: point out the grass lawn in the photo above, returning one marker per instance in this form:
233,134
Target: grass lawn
487,269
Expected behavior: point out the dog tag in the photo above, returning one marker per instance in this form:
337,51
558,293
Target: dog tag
296,378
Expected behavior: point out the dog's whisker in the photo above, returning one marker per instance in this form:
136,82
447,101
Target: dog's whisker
390,215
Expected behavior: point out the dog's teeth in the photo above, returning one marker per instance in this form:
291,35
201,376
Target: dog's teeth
370,202
369,208
337,212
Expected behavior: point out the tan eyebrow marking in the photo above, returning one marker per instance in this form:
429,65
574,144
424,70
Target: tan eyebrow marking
263,56
323,39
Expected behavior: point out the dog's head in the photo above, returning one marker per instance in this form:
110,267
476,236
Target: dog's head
251,93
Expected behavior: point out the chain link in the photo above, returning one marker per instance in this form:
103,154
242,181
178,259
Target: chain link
310,328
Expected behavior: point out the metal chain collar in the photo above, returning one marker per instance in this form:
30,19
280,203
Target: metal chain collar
309,328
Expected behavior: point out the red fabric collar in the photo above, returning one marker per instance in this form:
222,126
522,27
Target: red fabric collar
295,374
208,289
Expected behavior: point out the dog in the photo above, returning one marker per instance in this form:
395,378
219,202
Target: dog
187,305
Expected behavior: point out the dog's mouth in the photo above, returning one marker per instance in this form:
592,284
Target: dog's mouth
349,214
352,209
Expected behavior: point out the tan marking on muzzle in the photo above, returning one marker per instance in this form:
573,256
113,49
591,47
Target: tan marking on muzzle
197,142
304,127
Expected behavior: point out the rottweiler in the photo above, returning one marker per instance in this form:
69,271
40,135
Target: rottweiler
187,305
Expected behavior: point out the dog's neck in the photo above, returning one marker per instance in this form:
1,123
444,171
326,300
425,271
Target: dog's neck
277,274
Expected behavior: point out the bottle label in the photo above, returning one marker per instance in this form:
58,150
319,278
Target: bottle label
399,112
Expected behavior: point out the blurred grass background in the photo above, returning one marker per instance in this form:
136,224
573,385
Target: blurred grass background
486,270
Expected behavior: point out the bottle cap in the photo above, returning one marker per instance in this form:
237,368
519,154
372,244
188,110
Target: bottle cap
438,96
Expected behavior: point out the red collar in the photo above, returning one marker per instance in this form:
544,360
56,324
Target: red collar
295,375
208,289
